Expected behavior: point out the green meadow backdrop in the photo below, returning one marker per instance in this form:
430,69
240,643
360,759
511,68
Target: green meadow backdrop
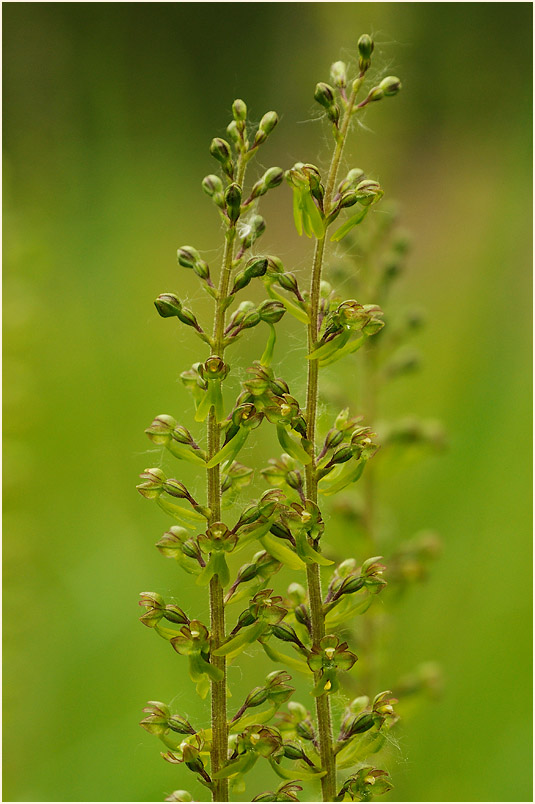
109,109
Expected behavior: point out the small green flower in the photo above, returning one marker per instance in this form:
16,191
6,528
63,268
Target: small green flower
330,657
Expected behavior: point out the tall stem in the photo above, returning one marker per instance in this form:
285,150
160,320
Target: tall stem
218,753
323,704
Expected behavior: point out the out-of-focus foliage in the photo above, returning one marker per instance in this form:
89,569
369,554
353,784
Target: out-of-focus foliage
109,111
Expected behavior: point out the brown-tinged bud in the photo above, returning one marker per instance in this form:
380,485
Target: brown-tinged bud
180,725
220,150
161,428
233,201
154,479
174,614
212,185
168,305
239,111
324,95
268,122
187,255
271,311
390,85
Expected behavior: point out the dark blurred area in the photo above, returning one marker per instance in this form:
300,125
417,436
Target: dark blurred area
109,109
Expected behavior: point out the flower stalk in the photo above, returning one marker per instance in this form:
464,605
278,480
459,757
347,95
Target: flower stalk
285,525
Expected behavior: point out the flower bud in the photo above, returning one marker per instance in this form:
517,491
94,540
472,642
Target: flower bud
302,615
268,122
390,85
257,696
176,489
170,544
187,256
161,428
285,633
180,725
324,95
292,750
152,487
157,714
181,435
212,185
239,110
339,74
257,266
174,614
220,150
271,311
233,201
168,305
333,113
233,131
365,46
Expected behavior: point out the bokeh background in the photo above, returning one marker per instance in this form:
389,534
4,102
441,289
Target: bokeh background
108,112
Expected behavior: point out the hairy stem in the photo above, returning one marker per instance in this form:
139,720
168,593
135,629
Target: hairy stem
219,750
323,704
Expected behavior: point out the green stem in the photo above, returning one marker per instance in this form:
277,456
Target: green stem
323,704
219,750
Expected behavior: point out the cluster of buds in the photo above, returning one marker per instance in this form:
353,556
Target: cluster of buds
159,721
345,330
361,716
276,691
164,431
248,315
325,96
348,579
157,609
260,569
178,543
189,257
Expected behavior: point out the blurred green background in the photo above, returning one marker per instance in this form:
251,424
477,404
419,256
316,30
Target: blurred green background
109,109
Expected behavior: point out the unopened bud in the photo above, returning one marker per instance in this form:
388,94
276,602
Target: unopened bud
390,85
233,201
268,122
212,184
180,725
220,150
365,46
176,489
324,95
161,428
168,305
271,311
239,110
339,74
